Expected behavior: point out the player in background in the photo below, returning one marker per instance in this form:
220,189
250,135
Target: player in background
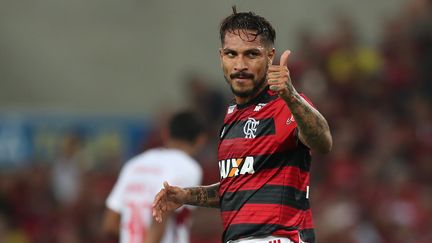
264,144
128,214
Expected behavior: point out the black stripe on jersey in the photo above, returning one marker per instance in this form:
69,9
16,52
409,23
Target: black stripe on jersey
232,233
307,235
300,158
236,129
268,194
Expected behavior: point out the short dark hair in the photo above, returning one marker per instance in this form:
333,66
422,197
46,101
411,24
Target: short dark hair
248,21
186,126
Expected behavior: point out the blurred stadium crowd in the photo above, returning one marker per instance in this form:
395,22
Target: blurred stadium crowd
375,186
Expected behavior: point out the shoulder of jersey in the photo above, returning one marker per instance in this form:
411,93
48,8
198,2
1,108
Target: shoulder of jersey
269,98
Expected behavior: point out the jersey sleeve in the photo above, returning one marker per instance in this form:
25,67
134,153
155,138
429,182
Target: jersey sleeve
289,124
115,198
307,99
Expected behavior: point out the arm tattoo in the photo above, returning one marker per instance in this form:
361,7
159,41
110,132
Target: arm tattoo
313,127
204,196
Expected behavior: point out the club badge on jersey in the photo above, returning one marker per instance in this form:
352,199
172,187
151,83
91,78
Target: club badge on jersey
250,128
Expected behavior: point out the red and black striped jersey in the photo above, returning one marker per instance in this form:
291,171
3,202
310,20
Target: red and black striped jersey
264,172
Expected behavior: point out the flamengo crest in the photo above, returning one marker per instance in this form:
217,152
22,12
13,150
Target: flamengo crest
250,128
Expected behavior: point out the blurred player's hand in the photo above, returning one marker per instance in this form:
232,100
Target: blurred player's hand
279,79
167,200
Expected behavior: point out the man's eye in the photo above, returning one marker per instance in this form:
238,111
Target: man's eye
253,54
230,54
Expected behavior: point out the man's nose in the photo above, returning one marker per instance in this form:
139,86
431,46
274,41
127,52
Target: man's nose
240,65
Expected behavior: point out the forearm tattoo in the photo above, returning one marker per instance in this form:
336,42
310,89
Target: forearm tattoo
204,196
313,127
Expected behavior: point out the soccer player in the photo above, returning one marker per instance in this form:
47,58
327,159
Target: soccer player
264,145
129,204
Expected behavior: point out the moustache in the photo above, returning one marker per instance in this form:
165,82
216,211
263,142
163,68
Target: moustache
242,75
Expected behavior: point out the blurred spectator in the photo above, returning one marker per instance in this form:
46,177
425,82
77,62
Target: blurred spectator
349,61
128,212
66,172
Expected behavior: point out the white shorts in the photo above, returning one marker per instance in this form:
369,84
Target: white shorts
267,239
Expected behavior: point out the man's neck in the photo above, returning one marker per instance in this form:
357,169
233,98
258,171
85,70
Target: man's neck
243,100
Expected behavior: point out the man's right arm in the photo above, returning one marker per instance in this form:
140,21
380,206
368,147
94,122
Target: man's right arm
171,197
203,196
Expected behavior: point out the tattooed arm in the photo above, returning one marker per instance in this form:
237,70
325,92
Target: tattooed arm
204,196
313,128
171,197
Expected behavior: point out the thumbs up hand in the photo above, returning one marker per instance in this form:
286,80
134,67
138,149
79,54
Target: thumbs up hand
279,79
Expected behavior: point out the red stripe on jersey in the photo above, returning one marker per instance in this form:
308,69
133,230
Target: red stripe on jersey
263,214
307,222
286,176
238,147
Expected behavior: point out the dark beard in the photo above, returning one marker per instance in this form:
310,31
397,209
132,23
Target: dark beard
250,93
